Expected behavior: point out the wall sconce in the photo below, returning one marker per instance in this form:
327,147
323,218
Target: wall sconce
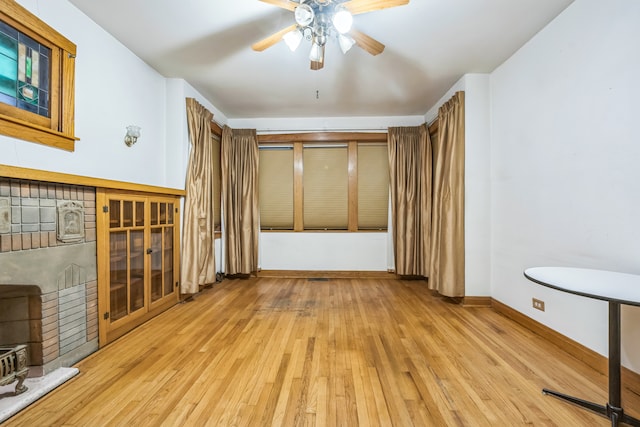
133,133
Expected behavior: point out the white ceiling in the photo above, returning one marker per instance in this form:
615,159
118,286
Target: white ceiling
430,44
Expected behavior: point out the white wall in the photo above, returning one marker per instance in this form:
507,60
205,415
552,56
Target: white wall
565,176
325,124
323,251
477,197
114,88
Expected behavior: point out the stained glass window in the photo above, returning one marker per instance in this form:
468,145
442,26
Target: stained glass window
37,79
24,71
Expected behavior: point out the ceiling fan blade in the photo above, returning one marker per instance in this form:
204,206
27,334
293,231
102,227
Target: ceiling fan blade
272,39
371,45
285,4
363,6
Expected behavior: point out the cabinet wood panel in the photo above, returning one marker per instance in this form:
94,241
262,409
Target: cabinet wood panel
138,259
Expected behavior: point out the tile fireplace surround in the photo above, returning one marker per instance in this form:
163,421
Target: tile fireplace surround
48,274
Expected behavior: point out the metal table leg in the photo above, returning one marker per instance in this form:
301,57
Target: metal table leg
612,410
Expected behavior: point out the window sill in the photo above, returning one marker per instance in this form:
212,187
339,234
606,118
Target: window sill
269,230
29,132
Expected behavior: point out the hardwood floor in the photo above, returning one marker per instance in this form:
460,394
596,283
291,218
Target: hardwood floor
342,352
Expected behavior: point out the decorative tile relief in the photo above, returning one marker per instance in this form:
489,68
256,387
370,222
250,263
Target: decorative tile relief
73,275
70,221
5,214
72,320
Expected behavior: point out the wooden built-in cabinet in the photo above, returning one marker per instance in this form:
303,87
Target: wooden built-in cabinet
138,259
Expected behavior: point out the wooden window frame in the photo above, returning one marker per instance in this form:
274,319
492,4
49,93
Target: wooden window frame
58,129
217,190
337,151
298,140
357,157
216,130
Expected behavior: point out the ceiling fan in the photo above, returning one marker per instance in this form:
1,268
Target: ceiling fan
317,20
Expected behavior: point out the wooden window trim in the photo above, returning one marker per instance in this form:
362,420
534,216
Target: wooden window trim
58,130
310,137
297,140
270,230
353,185
433,127
216,129
298,188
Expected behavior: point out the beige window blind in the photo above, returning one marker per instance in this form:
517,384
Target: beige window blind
217,181
275,186
326,187
373,186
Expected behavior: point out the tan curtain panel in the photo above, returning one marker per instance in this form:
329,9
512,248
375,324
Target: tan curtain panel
410,176
198,260
447,244
240,155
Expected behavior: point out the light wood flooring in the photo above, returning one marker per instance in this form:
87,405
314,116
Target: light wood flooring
343,352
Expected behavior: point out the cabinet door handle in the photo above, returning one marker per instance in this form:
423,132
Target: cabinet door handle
149,251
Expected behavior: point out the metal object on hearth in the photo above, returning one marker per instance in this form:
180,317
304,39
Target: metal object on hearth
13,367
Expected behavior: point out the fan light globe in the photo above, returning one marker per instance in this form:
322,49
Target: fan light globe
345,42
304,15
293,39
316,53
342,21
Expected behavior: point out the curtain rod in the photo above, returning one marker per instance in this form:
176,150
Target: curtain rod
433,123
268,131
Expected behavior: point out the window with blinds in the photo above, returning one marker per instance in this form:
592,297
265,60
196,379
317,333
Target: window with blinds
341,185
326,187
373,186
275,186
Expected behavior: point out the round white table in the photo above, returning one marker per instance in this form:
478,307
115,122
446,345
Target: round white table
616,289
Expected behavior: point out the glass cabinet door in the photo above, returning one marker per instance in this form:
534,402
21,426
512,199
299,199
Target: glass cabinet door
136,270
126,245
162,229
118,274
138,262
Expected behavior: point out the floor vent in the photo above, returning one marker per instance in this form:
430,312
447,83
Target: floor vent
318,279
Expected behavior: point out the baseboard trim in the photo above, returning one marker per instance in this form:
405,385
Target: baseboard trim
469,301
305,274
630,379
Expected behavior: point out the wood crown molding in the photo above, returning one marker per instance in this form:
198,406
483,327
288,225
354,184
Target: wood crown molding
63,178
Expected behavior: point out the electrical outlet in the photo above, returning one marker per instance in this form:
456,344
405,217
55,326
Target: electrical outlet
538,304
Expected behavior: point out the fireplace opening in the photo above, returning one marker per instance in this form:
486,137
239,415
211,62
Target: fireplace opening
21,320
